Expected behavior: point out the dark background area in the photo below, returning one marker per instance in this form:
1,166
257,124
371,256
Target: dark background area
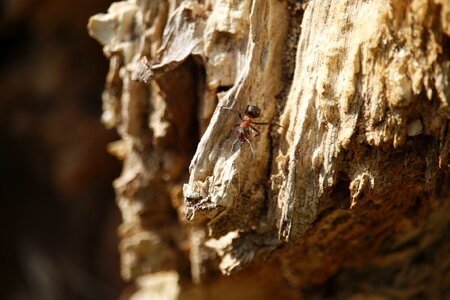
58,215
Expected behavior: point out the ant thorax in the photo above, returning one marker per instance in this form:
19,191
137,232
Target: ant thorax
243,134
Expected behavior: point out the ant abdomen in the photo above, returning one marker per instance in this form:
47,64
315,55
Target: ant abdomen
252,111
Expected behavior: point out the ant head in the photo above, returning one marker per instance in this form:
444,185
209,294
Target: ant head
252,111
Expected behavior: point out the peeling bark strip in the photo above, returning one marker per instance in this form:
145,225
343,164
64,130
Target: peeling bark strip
358,173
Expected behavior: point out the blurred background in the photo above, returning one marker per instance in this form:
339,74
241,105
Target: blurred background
58,215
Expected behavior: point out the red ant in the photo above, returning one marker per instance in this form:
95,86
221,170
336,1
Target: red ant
243,132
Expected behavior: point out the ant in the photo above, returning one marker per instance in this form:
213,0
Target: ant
243,132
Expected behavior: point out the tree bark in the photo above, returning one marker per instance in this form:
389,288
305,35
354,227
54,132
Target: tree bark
349,198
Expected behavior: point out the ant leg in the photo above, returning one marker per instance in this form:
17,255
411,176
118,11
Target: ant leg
234,127
258,133
267,123
235,111
232,146
251,148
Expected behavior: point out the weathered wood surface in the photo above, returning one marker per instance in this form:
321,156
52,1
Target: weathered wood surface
354,183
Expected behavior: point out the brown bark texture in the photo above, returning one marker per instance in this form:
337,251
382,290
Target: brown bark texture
347,199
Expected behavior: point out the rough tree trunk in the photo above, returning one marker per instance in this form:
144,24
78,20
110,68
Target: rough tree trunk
348,199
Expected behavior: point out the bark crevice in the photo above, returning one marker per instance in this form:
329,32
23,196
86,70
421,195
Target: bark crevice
361,92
